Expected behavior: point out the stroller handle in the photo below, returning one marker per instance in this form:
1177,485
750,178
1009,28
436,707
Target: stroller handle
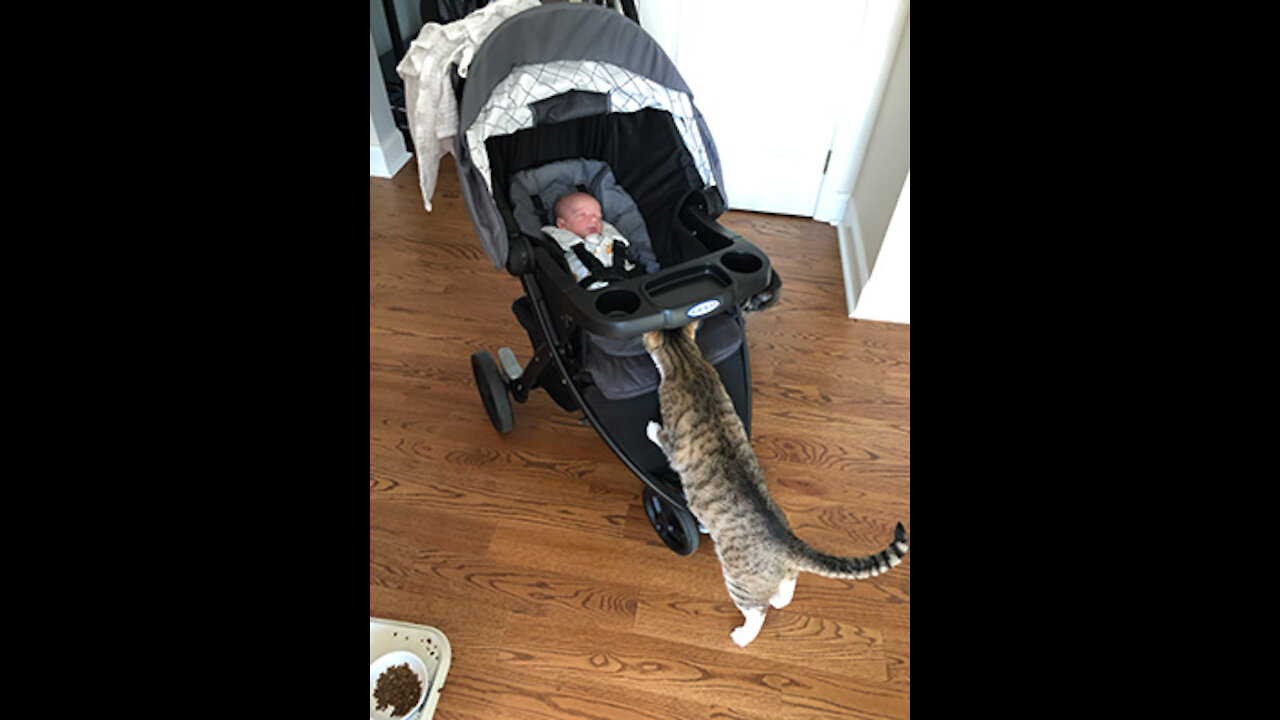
729,275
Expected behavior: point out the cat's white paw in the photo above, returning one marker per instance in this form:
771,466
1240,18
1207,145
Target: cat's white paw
754,619
744,635
652,431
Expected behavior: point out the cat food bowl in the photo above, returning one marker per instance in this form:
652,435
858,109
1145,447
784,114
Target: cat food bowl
428,655
398,683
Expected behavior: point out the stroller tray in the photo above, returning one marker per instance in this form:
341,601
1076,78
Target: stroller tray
668,299
688,285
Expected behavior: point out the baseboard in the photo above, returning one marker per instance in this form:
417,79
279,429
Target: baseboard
853,258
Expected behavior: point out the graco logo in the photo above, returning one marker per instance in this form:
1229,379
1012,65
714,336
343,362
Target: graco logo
703,308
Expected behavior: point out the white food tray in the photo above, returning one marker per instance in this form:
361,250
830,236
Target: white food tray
424,641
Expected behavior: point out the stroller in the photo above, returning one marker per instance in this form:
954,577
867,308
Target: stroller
573,97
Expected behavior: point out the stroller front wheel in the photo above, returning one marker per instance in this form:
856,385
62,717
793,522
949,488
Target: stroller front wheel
675,526
493,391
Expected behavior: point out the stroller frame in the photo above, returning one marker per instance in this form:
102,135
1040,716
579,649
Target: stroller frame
664,500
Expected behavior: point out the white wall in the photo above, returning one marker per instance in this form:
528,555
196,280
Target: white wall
662,20
887,161
880,177
875,40
887,294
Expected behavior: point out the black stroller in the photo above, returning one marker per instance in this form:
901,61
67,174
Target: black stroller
571,96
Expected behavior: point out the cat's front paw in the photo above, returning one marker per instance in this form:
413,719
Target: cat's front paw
744,635
652,431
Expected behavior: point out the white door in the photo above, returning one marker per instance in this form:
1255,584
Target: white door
768,78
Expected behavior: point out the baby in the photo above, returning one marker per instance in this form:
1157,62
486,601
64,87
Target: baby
589,243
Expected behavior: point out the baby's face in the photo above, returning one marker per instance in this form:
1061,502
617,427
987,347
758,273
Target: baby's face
581,216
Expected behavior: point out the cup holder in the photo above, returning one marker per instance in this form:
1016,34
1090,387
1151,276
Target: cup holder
741,262
617,303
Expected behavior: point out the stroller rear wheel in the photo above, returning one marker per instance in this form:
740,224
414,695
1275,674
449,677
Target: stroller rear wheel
676,526
493,391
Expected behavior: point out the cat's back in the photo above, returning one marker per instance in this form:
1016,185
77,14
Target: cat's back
711,447
692,392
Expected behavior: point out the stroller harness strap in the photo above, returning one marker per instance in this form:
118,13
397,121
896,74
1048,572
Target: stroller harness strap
598,271
544,215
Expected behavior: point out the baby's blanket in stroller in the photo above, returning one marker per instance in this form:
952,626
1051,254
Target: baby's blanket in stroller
430,105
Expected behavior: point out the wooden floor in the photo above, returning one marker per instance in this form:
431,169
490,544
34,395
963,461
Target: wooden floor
531,550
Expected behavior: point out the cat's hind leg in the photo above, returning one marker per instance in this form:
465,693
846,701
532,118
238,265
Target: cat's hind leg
750,628
750,603
786,590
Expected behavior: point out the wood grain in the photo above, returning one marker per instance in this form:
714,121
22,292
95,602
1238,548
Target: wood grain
531,550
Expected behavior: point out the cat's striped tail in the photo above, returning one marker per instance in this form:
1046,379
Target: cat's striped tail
815,561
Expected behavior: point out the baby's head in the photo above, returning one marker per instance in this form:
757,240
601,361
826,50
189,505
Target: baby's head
579,213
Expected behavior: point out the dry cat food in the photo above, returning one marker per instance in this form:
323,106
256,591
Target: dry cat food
399,687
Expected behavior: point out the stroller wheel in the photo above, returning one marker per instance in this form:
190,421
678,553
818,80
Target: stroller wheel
676,526
493,391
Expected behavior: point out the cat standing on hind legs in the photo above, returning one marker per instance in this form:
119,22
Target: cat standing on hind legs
706,444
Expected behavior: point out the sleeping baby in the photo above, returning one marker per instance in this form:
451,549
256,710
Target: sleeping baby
589,243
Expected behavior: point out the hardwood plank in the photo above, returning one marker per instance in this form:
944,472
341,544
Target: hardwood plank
566,551
502,692
404,527
567,598
743,684
686,680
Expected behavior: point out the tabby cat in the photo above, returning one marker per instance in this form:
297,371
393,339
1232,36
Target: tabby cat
706,444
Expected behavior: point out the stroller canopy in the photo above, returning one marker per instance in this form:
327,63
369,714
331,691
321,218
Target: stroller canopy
556,63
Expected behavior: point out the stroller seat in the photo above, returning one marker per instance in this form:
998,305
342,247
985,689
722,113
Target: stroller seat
535,191
619,368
